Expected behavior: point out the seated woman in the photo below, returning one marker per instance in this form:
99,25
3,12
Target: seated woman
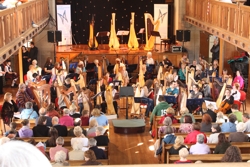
232,154
37,68
206,123
229,126
60,159
227,99
191,137
186,126
51,112
221,118
28,112
145,93
170,112
80,138
184,112
41,130
235,91
25,131
30,73
166,123
195,94
100,117
90,158
213,138
183,153
85,118
101,138
53,134
48,69
222,145
77,152
239,136
238,79
92,128
178,145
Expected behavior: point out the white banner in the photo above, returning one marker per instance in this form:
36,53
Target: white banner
64,23
161,14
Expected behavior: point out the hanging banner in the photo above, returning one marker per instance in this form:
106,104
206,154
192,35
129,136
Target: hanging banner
64,23
161,14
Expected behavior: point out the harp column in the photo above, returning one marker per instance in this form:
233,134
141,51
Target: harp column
20,63
221,56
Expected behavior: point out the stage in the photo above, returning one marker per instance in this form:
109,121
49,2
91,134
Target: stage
128,126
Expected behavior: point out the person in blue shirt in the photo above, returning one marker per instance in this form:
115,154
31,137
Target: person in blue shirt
172,90
100,117
229,126
28,112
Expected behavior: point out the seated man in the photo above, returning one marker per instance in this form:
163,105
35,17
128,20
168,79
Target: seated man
99,153
43,112
61,129
200,147
28,112
102,140
77,122
9,73
59,147
172,90
237,113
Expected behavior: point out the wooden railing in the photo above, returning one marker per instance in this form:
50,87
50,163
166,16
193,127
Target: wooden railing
225,20
17,21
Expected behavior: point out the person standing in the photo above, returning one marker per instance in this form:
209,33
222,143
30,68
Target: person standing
25,54
215,50
33,51
1,78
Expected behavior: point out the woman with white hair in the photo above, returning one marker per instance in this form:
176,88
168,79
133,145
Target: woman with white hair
22,154
80,138
78,151
239,136
183,153
102,140
184,111
221,118
60,159
28,112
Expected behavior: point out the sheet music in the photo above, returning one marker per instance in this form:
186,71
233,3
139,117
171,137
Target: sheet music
211,104
141,31
122,32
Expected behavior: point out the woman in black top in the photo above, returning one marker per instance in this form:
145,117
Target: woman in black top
53,133
229,99
41,130
26,60
206,123
179,144
48,69
8,109
222,145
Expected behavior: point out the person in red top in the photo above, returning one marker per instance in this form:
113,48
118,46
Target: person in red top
170,112
66,119
51,112
85,118
191,137
183,153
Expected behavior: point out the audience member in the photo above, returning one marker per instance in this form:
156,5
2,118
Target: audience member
13,126
22,97
170,112
4,140
213,138
184,111
77,152
183,153
186,126
236,112
166,123
222,145
90,158
60,159
206,123
200,147
178,145
232,154
28,112
192,137
59,147
239,136
79,137
221,118
102,140
8,109
77,122
85,118
33,51
99,153
61,129
229,126
92,128
53,135
22,154
42,112
51,112
41,130
66,119
25,131
100,118
246,120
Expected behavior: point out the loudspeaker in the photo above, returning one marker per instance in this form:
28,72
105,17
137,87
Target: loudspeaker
58,36
186,35
51,36
179,35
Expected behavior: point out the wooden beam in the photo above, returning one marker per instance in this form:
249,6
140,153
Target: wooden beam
20,63
221,57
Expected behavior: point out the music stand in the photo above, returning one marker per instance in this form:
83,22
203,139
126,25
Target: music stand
155,34
126,92
102,34
141,32
122,33
170,99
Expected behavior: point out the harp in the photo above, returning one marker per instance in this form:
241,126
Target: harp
104,65
136,106
190,81
42,95
160,75
160,92
38,84
68,93
168,77
141,75
80,82
98,90
182,98
222,92
109,100
150,25
132,42
113,40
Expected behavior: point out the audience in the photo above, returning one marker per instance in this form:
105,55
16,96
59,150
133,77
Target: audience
200,147
191,137
239,136
92,128
77,152
25,131
85,118
232,154
99,153
236,112
58,147
51,112
61,129
41,130
246,120
53,134
166,123
80,138
178,145
60,159
66,119
90,158
206,123
229,126
101,139
213,138
42,112
183,153
221,118
22,97
100,118
13,126
186,126
184,111
77,122
28,112
222,145
170,112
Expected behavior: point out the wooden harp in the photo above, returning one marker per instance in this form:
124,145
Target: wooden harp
109,100
136,106
113,40
141,75
80,82
42,95
67,94
132,42
190,75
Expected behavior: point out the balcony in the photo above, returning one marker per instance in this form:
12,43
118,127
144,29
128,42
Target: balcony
16,25
225,20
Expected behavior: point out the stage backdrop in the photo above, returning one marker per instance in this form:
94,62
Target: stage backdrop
64,23
81,11
161,12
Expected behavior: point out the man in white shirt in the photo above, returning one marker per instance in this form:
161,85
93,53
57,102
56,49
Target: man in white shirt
9,73
150,60
246,120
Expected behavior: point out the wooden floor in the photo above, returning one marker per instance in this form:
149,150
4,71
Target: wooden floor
126,149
